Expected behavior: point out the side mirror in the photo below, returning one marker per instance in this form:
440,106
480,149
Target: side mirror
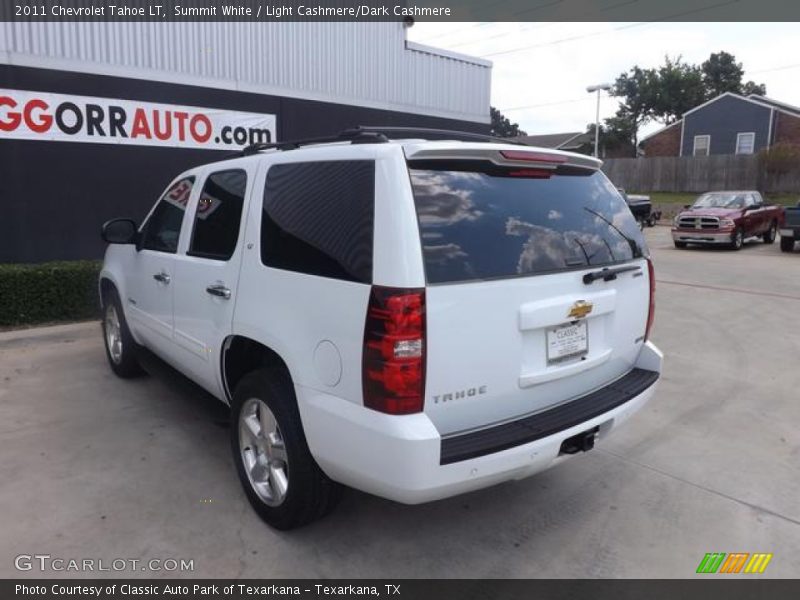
687,206
119,231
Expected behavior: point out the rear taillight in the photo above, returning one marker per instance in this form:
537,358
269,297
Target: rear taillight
393,370
651,312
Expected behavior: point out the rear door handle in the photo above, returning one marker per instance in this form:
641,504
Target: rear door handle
219,290
162,277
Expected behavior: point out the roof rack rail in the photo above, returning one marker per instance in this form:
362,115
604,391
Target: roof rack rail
377,135
428,133
353,136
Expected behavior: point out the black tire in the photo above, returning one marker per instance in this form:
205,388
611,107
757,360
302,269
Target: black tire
787,244
309,493
737,241
680,244
121,349
771,233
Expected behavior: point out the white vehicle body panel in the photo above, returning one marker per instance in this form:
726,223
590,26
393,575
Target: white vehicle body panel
402,463
480,334
203,321
491,335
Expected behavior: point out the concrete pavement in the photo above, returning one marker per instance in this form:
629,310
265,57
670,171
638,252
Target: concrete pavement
95,467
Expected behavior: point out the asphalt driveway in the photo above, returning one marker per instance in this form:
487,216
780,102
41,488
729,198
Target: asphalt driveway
95,467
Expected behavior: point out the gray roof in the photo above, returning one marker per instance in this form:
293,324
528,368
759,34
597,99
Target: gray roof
795,110
563,141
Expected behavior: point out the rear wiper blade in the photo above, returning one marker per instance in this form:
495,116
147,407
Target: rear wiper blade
636,251
608,274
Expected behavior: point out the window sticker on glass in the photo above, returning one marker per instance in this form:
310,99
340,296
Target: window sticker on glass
179,194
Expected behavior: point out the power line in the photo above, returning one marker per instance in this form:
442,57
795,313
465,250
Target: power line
503,34
603,32
525,29
563,40
558,102
783,68
535,8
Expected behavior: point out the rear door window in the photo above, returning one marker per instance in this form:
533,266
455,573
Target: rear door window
219,215
478,221
318,218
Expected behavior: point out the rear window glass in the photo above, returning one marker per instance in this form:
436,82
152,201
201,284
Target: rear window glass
478,221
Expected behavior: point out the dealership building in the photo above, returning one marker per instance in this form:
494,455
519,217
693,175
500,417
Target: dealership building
97,118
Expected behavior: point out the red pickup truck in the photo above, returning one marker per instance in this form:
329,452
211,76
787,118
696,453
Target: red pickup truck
727,218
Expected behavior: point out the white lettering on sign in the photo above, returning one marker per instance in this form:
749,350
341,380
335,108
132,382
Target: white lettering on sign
43,116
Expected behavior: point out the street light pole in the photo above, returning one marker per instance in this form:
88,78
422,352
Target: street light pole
597,88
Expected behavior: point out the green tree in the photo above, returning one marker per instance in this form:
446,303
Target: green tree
616,138
679,88
620,136
502,127
754,88
638,89
721,73
666,93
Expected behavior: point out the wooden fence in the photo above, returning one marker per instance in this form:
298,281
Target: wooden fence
698,174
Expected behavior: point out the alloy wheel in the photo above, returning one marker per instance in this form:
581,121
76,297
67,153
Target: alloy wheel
113,334
263,452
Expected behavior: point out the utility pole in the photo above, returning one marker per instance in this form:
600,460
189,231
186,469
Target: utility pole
591,89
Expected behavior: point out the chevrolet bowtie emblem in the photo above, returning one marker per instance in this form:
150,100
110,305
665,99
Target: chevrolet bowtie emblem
580,309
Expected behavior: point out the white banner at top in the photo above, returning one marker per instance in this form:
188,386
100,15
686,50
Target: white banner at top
26,115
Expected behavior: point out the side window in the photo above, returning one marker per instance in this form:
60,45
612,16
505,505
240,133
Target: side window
702,144
745,143
749,200
219,215
163,228
318,219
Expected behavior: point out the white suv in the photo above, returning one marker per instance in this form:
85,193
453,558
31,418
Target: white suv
412,318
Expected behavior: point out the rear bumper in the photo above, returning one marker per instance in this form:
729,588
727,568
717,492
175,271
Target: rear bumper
401,457
694,236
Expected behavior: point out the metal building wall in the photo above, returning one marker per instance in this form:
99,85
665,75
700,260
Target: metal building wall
366,64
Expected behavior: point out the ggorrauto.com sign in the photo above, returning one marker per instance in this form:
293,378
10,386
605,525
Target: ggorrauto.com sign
26,115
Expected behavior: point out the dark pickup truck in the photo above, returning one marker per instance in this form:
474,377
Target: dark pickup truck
641,208
727,218
790,230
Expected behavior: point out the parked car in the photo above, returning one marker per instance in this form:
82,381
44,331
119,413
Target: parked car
415,319
790,230
727,218
641,208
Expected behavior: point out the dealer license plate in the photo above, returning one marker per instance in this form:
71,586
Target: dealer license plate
567,341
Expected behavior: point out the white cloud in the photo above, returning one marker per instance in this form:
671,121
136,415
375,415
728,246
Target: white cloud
550,76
